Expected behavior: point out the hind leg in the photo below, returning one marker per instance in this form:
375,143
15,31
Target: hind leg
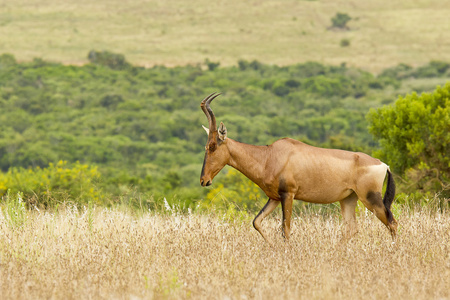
348,207
265,211
374,202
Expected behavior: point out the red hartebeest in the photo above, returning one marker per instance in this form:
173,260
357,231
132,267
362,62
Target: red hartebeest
289,169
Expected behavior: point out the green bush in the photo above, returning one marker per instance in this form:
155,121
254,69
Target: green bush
105,58
253,65
430,70
344,43
330,86
399,72
414,134
340,20
280,88
433,69
311,69
211,65
46,187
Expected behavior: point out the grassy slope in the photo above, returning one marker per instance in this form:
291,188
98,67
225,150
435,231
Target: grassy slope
384,33
112,255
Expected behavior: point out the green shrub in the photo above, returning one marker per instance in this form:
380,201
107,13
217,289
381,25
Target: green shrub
309,69
279,88
399,72
414,134
329,86
211,65
433,69
253,65
111,101
105,58
340,20
46,187
344,43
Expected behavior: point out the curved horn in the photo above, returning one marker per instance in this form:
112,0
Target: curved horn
208,111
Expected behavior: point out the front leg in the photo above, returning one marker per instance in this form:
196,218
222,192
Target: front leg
287,200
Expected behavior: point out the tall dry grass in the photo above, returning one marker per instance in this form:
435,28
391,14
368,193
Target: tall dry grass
111,254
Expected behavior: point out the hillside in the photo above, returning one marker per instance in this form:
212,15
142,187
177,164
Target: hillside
142,126
381,33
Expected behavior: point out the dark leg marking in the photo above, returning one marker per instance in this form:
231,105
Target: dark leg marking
374,198
282,187
286,203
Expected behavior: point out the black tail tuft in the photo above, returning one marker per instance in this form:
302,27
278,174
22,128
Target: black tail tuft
389,196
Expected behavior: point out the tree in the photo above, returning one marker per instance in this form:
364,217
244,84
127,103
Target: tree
414,134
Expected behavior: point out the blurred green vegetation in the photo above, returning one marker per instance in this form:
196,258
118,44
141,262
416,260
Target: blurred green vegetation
414,134
110,132
57,182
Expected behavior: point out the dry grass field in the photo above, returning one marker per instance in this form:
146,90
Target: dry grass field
112,254
382,33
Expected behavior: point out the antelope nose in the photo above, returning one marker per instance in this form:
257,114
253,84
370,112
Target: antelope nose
205,183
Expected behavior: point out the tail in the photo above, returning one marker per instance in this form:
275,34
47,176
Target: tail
389,196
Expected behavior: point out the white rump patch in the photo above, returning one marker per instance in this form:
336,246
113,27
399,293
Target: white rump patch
379,171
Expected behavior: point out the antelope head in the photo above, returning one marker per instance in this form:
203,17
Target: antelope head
216,153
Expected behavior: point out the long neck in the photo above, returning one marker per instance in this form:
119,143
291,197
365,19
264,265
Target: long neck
250,160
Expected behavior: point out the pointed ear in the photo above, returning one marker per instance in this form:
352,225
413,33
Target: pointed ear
206,129
222,132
